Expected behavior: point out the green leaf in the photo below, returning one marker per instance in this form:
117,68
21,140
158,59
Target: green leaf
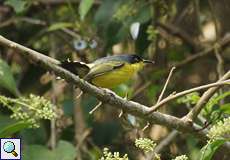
64,151
59,25
208,150
35,136
17,5
5,120
37,152
115,33
215,100
144,14
105,12
6,78
152,91
209,107
191,98
225,108
13,128
84,7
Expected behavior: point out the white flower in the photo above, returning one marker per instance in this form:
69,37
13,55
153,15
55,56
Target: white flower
182,157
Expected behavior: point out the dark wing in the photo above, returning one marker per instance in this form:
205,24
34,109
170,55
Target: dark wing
100,69
78,68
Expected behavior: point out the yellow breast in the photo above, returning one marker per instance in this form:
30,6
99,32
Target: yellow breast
118,76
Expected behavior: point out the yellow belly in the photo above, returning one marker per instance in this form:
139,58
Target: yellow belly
116,77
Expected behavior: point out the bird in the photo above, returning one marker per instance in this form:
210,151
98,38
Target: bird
107,72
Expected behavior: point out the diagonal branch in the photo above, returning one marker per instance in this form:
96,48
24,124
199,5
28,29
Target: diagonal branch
163,143
205,97
105,96
175,30
222,43
101,94
166,84
174,96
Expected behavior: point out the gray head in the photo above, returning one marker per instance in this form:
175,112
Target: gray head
130,58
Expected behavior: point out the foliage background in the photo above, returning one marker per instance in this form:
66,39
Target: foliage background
170,31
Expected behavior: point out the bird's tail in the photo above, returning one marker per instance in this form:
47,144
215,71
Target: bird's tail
78,68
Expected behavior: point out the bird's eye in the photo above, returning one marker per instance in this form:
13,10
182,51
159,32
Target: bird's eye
137,59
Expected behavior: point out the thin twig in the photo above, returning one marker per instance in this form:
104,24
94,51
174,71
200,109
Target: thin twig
29,20
162,93
163,144
146,126
166,84
191,116
121,113
166,141
96,107
71,33
79,95
85,134
177,95
220,63
219,68
209,50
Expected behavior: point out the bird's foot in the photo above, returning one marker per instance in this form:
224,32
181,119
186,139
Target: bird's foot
111,93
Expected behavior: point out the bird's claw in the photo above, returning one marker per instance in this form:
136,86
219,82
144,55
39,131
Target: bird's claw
111,93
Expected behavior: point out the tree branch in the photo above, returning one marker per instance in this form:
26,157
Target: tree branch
163,143
104,95
204,98
174,30
174,96
209,50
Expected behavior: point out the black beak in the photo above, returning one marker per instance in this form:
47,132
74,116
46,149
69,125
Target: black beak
148,61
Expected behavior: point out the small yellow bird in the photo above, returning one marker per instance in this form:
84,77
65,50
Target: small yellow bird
108,72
